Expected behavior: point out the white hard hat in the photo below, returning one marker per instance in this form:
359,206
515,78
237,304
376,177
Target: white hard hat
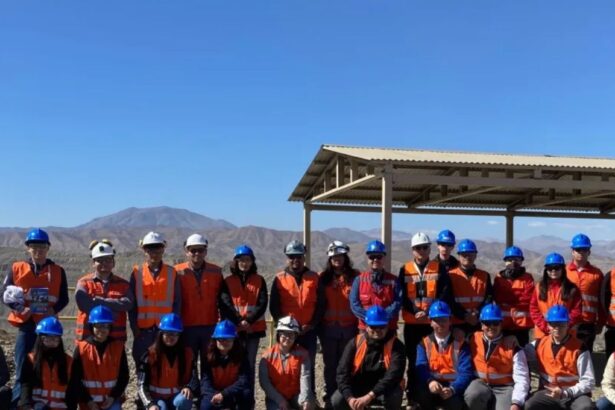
101,248
196,240
337,248
288,324
418,239
153,238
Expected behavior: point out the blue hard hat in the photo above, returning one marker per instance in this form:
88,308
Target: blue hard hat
242,250
554,259
171,323
49,326
439,309
513,252
467,246
490,313
37,235
446,237
376,316
557,313
225,330
580,241
375,247
100,315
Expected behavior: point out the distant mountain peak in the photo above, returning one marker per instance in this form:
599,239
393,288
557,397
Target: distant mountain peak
159,216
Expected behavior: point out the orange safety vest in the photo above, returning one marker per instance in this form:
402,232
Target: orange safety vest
285,373
383,296
100,373
589,282
361,346
224,376
200,299
245,298
117,289
337,295
50,279
51,393
154,296
543,306
469,292
515,316
298,301
611,317
498,369
167,384
559,370
412,278
442,364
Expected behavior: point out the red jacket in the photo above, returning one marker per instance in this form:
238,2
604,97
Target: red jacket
538,309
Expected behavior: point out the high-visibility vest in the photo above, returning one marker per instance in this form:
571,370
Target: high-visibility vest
544,305
116,289
517,315
167,383
361,346
383,296
559,370
285,374
154,296
51,393
245,298
442,364
469,292
337,294
224,376
589,282
200,299
412,279
298,301
100,373
611,316
50,278
498,369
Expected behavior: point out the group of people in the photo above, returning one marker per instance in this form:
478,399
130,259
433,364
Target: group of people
196,333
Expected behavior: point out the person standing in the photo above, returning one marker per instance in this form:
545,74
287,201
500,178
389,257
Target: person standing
513,288
35,288
339,325
243,301
297,292
588,279
375,286
200,288
103,287
156,290
421,282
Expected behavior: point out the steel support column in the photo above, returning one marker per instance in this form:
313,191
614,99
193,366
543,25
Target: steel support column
307,231
510,229
386,230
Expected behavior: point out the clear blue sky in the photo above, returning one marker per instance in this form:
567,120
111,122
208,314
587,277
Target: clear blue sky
219,107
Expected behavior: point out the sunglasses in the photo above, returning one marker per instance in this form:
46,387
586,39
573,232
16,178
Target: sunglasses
375,257
294,257
194,251
446,245
153,247
581,250
553,267
421,247
491,323
378,328
557,324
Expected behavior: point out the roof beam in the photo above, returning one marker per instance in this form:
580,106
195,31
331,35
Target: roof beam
344,188
427,189
568,199
454,197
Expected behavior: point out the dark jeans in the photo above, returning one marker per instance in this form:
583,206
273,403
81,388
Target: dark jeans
141,343
522,335
251,345
609,340
540,401
604,404
230,402
197,338
308,341
413,334
333,340
391,401
5,397
24,343
430,401
586,332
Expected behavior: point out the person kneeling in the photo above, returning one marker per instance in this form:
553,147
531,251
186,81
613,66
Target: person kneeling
443,364
503,377
564,364
371,366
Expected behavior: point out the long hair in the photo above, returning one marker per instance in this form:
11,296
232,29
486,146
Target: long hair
235,355
568,288
157,349
347,271
234,267
40,357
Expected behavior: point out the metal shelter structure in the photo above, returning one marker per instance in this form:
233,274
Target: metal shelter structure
364,179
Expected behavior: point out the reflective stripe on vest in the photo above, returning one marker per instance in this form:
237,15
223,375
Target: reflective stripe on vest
245,298
382,295
149,311
51,393
285,370
559,370
438,359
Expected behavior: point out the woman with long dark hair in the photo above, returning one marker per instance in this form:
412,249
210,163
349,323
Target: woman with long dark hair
167,376
554,289
339,324
46,372
225,382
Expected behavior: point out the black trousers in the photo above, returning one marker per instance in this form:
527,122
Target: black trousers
413,334
522,335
